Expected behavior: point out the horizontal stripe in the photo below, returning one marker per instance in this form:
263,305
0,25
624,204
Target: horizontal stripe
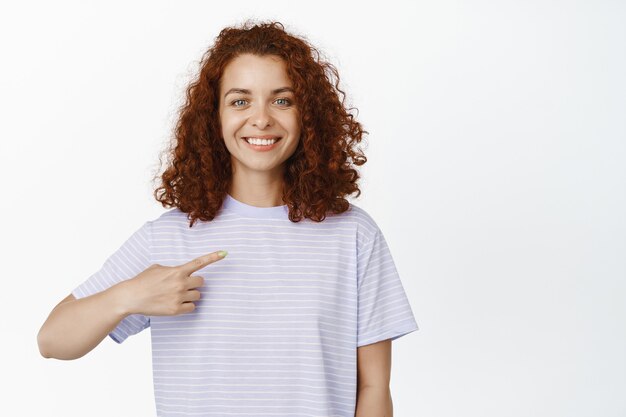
277,327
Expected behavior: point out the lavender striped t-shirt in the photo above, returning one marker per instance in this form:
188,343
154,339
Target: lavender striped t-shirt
277,327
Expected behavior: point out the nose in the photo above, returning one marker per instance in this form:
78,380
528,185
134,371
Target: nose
261,117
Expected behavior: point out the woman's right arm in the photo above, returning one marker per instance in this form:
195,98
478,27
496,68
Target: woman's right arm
76,326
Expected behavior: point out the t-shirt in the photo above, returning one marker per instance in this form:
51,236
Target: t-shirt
280,318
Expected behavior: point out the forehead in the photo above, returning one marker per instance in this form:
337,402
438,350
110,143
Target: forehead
255,73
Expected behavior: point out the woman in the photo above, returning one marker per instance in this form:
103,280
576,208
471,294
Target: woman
298,319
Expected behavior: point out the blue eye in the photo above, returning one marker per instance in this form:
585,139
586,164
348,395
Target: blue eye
287,102
285,99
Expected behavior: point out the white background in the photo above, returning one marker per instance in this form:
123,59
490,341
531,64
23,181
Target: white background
497,155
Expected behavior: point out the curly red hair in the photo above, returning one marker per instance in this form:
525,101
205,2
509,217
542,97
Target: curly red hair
319,174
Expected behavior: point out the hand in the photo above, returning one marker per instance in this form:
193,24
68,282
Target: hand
165,290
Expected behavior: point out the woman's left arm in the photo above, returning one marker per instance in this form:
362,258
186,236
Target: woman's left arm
373,376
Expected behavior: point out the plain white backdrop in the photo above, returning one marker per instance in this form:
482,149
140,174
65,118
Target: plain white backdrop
497,155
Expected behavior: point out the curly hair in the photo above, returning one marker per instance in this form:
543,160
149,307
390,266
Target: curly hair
319,174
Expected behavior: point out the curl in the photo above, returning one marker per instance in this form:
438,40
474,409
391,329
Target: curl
319,175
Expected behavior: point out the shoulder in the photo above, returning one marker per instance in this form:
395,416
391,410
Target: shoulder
364,223
171,220
361,216
172,215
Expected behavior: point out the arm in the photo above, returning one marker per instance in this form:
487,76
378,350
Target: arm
373,376
75,327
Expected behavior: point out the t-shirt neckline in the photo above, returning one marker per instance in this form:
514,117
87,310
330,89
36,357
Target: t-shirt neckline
276,212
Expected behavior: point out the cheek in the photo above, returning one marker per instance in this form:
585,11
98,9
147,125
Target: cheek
230,125
293,124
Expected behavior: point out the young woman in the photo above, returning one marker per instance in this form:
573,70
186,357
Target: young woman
298,318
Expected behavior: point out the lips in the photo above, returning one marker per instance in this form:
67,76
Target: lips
262,137
271,144
275,140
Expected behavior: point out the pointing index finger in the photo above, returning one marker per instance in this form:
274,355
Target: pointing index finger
201,261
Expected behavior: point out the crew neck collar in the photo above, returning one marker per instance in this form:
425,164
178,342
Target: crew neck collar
276,212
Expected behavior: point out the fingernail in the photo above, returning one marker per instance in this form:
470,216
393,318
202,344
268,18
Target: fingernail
222,253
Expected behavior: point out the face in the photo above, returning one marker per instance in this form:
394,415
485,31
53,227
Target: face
256,101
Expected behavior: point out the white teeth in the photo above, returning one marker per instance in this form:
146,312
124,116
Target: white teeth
256,141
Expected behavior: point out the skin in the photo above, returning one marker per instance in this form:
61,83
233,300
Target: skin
373,378
257,181
258,176
75,327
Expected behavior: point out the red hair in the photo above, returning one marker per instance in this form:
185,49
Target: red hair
319,174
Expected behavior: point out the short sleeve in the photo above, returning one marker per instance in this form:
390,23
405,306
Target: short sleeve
131,258
384,311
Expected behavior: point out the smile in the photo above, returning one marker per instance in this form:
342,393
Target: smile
261,141
261,144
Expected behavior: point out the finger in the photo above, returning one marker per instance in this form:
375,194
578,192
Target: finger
192,295
200,262
186,307
194,282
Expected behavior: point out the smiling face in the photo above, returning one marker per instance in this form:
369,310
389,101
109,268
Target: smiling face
256,101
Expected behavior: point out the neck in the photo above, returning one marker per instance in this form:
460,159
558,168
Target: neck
258,188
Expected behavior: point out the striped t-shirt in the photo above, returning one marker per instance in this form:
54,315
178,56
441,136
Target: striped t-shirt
280,318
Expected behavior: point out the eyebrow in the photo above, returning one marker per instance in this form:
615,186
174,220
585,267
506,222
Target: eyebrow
244,91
